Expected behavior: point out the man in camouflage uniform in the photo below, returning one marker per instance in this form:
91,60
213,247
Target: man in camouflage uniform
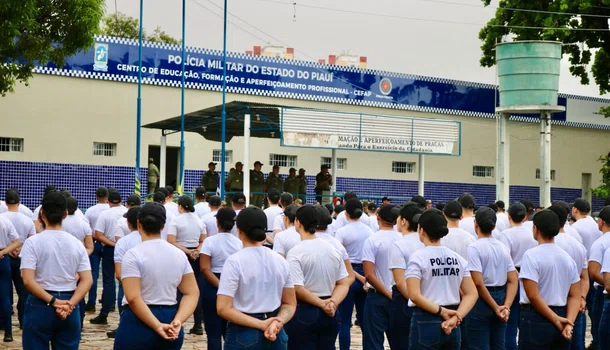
153,176
323,182
291,184
274,180
302,185
209,180
235,181
257,184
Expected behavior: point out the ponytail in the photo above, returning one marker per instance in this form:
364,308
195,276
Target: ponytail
256,234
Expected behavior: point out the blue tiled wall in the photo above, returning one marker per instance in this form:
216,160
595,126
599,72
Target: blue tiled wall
31,178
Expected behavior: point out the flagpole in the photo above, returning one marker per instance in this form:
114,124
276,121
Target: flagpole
137,184
224,107
181,176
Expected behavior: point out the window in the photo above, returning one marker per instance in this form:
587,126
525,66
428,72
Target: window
482,171
216,156
538,174
11,144
283,160
403,167
341,163
104,149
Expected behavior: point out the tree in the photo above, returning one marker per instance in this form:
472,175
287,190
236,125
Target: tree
41,31
123,26
603,190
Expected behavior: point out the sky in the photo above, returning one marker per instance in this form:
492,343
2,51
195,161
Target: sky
437,38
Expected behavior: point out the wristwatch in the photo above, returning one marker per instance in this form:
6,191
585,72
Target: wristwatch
440,308
52,302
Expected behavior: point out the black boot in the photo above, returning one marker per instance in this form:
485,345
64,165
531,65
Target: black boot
100,319
8,337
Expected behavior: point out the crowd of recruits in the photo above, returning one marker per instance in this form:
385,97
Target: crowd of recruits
419,290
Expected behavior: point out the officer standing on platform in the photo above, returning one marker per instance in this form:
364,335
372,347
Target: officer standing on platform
209,180
257,184
274,180
323,182
153,176
235,181
302,185
292,183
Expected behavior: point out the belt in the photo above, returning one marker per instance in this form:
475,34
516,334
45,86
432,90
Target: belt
518,268
528,307
152,306
265,315
372,290
217,274
65,292
356,265
496,289
301,302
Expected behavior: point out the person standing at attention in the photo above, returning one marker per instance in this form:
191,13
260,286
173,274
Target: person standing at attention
550,290
321,282
400,253
92,214
341,218
495,277
209,179
604,325
467,222
105,230
209,219
518,239
51,264
9,239
371,209
151,272
286,200
153,176
302,185
457,239
201,207
502,223
273,211
235,181
25,229
257,184
214,252
36,215
375,263
123,229
323,182
291,183
170,205
255,294
287,239
186,233
275,180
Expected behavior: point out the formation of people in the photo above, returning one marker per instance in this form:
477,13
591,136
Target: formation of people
452,276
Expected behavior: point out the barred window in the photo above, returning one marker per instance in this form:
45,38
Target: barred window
341,163
283,160
217,153
538,174
482,171
403,167
11,144
104,149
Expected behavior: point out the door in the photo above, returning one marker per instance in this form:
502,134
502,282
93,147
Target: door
171,163
586,187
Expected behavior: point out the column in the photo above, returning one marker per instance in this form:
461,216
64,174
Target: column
420,175
247,158
503,176
163,160
545,159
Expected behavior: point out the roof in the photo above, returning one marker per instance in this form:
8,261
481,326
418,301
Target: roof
265,122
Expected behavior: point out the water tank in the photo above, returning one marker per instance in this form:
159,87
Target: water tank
528,72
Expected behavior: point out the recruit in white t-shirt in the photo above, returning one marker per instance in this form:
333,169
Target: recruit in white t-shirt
467,224
56,257
286,240
440,271
93,214
376,249
160,267
219,247
605,265
352,236
8,233
278,223
169,217
108,221
122,228
187,228
575,250
458,240
502,222
492,259
552,269
23,225
76,227
518,239
335,243
272,212
373,223
172,207
202,208
572,232
597,250
124,244
342,220
317,266
588,230
401,251
210,224
22,209
255,278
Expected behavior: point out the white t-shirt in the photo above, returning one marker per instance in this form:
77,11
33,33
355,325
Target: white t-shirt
376,249
57,257
125,244
518,239
598,248
528,225
502,222
122,228
572,232
352,236
172,208
22,209
202,208
76,227
606,265
335,243
286,240
272,212
401,251
467,224
278,223
23,225
108,221
458,240
234,229
492,259
210,224
373,223
160,267
553,270
316,265
219,247
93,213
255,277
8,233
342,220
187,228
169,217
575,250
440,271
588,230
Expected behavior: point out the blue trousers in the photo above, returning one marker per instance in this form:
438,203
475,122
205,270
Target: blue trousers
578,335
240,337
400,321
22,292
133,334
198,315
590,309
538,333
95,258
513,323
376,321
596,312
484,329
427,334
356,296
215,326
108,280
311,328
42,326
6,284
604,327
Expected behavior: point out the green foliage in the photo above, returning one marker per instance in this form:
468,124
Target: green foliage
577,44
33,31
603,190
123,26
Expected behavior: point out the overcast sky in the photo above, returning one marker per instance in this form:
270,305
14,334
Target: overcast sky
420,42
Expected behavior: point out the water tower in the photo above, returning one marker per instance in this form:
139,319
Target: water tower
528,79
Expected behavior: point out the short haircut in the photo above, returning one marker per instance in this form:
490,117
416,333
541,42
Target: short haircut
290,212
132,216
561,212
71,205
309,217
54,207
501,205
467,201
547,223
286,199
159,197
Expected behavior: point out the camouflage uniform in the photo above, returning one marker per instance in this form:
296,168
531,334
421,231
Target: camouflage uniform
257,184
